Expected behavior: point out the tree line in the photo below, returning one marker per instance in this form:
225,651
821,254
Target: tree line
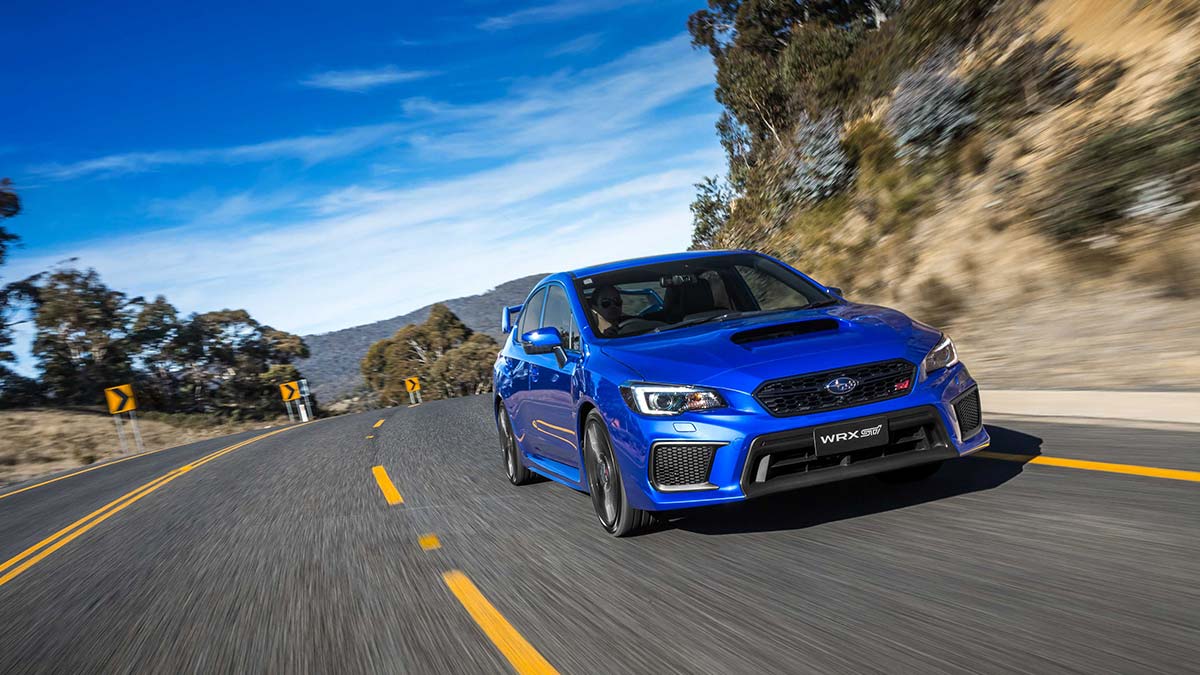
88,336
450,358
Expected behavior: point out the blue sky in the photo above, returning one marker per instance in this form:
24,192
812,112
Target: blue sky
329,165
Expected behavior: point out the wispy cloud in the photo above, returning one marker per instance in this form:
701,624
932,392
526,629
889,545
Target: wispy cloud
560,10
309,149
360,81
569,107
579,45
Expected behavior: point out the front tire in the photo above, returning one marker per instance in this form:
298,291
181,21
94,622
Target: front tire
517,473
612,507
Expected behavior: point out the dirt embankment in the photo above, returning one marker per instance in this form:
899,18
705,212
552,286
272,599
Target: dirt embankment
37,442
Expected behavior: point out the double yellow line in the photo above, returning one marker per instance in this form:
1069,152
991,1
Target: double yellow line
14,566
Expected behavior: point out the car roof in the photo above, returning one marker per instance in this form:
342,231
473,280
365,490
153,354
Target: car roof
650,260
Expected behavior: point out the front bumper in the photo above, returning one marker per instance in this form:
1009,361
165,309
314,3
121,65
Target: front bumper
755,454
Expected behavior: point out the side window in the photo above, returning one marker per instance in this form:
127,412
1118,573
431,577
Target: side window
558,315
769,292
532,314
573,343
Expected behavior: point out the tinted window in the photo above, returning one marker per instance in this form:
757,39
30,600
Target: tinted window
558,315
532,314
683,292
768,291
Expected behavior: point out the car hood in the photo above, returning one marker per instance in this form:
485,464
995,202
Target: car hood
741,354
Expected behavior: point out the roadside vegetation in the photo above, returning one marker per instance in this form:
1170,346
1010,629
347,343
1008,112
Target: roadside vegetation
38,441
1002,168
88,336
449,358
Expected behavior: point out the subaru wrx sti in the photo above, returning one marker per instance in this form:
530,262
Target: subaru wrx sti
710,377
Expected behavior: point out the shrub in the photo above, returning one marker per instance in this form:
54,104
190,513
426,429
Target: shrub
931,109
1037,74
1096,184
814,63
917,32
1104,78
1179,276
974,155
1180,120
816,164
937,303
868,146
710,211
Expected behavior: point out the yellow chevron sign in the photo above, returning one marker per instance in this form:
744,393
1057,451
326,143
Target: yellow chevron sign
120,399
412,384
289,391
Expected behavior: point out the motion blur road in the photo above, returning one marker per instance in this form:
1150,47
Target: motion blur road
284,555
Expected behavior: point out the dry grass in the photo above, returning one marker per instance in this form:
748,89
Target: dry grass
1025,312
36,442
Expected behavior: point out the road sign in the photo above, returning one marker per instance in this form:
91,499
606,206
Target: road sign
120,399
290,391
412,384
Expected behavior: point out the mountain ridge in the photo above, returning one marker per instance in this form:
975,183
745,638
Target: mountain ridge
333,367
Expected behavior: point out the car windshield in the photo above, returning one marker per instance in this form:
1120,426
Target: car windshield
674,294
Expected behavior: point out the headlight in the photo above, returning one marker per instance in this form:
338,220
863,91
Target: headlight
943,355
660,399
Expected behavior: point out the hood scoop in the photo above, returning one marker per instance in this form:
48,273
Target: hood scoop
784,330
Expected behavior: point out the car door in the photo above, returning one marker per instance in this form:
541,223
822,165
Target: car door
552,386
531,317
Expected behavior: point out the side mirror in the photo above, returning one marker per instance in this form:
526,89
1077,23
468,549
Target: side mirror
836,291
506,317
545,341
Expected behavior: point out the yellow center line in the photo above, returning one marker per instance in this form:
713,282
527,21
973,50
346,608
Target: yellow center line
32,555
429,542
523,657
370,435
378,424
390,493
1085,465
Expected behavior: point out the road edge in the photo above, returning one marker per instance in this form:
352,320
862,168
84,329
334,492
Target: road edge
1094,407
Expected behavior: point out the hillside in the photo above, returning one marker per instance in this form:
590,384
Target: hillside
1024,174
333,369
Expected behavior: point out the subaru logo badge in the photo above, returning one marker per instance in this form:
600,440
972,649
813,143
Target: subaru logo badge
840,386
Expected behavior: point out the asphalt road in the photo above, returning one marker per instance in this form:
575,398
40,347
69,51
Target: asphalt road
283,555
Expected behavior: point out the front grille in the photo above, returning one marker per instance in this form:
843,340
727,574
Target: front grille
675,465
968,413
803,394
789,457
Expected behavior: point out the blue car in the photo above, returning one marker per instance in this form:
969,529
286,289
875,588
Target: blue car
711,377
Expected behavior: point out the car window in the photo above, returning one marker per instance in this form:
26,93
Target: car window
573,343
531,316
768,291
558,315
686,291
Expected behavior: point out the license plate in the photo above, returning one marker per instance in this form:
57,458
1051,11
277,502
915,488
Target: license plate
849,436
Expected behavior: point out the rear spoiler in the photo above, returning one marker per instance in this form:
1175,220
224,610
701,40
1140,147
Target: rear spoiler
506,317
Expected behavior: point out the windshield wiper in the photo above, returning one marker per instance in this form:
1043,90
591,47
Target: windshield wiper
821,303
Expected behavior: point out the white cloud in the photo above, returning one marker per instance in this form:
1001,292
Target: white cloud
360,81
310,149
579,45
561,10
